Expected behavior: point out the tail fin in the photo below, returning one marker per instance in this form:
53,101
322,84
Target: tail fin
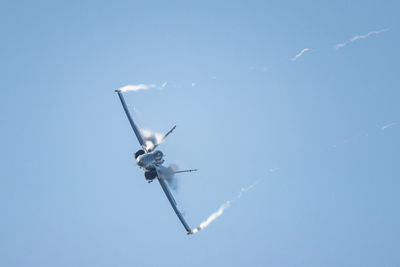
165,136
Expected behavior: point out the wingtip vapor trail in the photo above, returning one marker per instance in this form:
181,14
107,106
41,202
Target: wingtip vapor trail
136,87
212,217
222,208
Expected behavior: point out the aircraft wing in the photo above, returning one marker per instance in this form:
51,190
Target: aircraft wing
173,202
134,127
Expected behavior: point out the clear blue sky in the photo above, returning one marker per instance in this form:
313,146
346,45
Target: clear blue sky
321,132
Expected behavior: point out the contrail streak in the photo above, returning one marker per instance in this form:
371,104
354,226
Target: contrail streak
300,54
223,207
245,189
388,125
136,87
357,37
212,217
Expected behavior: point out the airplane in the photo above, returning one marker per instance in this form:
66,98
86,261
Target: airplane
150,160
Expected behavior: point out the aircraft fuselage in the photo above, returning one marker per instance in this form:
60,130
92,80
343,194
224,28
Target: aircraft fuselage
149,160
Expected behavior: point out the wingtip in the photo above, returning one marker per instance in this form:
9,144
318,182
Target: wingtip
117,90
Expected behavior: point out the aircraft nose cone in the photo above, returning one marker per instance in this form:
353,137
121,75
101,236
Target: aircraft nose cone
139,161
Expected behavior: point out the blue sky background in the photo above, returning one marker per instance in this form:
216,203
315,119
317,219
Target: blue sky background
310,130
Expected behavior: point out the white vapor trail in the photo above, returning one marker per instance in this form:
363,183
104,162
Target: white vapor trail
358,37
388,125
221,209
136,87
168,174
300,54
245,189
150,138
212,217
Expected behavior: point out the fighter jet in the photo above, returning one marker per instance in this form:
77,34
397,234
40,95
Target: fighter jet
150,161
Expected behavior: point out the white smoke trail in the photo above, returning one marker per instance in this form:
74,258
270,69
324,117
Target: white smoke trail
300,54
358,37
150,138
136,87
212,217
245,189
388,125
221,209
